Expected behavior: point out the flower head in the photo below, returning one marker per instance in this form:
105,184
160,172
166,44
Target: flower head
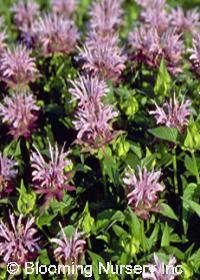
93,118
17,67
7,174
25,13
49,175
86,89
158,273
149,47
17,241
145,46
69,250
56,34
173,113
94,125
143,191
65,7
103,57
195,55
19,112
185,21
105,16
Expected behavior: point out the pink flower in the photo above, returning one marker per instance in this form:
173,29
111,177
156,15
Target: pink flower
25,13
160,270
18,243
7,173
19,112
56,34
69,250
173,114
86,89
195,55
93,118
145,46
17,67
65,7
103,57
155,16
105,16
50,176
185,21
143,191
94,125
149,47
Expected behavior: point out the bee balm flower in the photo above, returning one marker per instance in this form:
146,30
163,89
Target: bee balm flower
64,7
17,241
19,112
143,191
173,114
93,118
56,34
49,175
159,270
69,250
7,174
17,67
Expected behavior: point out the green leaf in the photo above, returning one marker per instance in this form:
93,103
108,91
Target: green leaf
167,211
165,133
163,82
189,164
26,201
165,241
96,259
86,221
194,206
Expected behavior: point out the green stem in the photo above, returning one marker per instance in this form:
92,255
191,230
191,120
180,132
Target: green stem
195,167
175,170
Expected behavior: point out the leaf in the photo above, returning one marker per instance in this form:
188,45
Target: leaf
167,211
189,164
26,201
163,81
165,133
165,241
96,259
194,206
87,221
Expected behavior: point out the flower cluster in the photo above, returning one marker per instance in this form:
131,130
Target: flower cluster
50,176
19,112
7,173
17,241
25,12
101,52
55,34
155,16
185,21
149,47
173,114
105,16
103,57
69,250
143,197
64,7
93,118
18,67
158,272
